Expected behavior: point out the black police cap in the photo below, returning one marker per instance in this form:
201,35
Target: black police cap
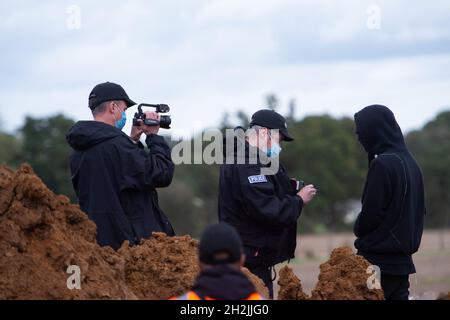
108,91
220,244
270,119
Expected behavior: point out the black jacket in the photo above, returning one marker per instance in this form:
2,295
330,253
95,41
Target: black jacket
263,210
115,181
390,225
223,283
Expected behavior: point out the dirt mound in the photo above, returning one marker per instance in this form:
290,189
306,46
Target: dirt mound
342,277
42,234
259,284
161,266
290,286
444,296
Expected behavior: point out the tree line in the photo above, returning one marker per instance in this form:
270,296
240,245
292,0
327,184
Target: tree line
325,152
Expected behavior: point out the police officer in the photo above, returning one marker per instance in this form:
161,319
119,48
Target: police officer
114,178
264,208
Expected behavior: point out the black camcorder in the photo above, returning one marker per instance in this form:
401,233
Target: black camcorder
164,121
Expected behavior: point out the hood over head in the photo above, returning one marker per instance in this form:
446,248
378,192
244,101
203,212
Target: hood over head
86,134
378,130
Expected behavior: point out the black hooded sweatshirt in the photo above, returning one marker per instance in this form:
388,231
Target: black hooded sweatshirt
115,181
390,225
264,209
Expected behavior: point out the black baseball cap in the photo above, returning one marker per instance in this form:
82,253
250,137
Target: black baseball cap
220,244
270,119
108,91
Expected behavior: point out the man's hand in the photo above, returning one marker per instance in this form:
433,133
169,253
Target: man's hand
151,129
307,193
136,132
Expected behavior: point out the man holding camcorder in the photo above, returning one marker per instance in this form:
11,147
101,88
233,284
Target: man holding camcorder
114,178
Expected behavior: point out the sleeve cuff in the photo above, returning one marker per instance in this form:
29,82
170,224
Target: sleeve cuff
154,138
300,202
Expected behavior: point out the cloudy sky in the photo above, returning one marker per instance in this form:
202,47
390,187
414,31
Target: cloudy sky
205,57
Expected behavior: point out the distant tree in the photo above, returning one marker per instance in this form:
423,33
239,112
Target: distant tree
431,147
292,108
45,148
243,118
191,200
225,122
272,101
9,150
327,154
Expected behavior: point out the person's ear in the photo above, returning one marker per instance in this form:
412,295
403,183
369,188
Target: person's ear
266,137
275,135
260,135
112,107
262,132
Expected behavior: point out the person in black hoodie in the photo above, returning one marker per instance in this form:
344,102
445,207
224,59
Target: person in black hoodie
114,178
390,225
264,208
221,258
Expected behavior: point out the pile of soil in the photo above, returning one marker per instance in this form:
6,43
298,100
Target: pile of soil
342,277
162,267
444,296
42,234
257,282
290,286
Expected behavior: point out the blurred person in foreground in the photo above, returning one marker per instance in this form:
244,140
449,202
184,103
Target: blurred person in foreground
221,258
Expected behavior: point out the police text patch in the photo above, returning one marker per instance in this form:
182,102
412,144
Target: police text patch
257,179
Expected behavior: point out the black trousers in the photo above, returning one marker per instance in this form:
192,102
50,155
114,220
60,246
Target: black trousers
265,274
395,287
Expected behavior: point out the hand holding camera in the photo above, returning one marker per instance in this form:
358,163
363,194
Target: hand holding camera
148,118
150,122
154,128
139,127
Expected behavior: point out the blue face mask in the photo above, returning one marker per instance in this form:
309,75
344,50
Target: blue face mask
121,123
274,151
